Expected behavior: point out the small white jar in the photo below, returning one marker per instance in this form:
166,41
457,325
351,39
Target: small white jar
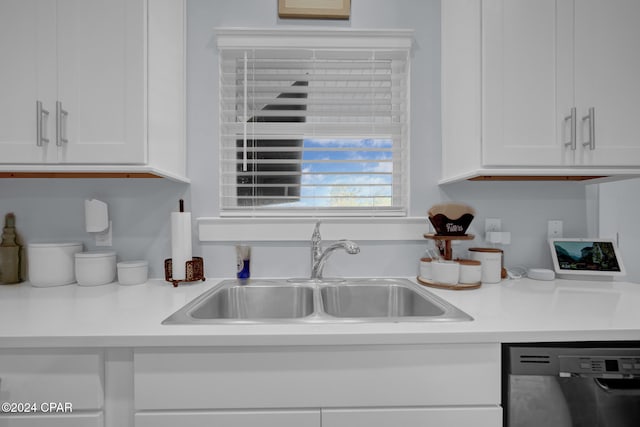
445,272
425,268
133,272
470,271
95,268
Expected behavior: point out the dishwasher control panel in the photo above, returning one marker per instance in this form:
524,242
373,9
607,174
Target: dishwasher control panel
609,366
601,362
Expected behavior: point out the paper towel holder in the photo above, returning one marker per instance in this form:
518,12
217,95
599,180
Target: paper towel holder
194,271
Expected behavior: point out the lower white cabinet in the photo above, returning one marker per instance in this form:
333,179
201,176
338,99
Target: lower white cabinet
266,386
369,417
407,385
49,387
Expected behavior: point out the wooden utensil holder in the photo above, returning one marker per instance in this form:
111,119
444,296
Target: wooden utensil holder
443,243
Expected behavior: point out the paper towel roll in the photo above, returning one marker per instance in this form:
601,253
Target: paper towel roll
180,243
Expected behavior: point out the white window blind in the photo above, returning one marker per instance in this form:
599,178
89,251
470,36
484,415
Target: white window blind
313,123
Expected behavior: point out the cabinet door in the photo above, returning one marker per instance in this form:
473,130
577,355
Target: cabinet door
527,88
101,80
413,417
306,418
42,376
607,78
27,74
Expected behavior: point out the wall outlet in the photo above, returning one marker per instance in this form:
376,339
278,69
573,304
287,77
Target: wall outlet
492,224
104,238
501,237
554,229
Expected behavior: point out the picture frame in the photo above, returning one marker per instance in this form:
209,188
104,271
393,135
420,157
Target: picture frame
314,9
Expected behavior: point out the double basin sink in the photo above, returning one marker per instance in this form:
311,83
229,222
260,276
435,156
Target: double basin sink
316,301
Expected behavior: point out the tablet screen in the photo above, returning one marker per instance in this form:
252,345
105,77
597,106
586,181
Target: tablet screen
586,256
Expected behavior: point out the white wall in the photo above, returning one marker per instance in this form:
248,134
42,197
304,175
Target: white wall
619,214
53,209
524,207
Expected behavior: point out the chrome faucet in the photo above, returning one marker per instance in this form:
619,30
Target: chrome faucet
319,257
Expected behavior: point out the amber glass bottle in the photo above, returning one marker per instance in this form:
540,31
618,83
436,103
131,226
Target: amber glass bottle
10,252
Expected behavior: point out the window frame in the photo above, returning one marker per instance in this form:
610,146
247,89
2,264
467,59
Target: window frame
397,40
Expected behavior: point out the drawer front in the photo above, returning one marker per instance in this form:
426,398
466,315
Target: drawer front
43,376
230,419
317,377
83,420
414,417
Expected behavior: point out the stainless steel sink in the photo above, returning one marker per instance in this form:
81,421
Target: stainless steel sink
256,302
316,301
377,300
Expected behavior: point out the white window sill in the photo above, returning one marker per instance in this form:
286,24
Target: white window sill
300,229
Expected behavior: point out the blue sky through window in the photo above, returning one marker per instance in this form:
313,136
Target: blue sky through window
346,173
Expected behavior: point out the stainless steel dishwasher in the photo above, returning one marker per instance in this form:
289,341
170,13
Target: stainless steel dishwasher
571,385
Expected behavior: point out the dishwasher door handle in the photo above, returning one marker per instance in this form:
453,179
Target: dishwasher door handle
619,386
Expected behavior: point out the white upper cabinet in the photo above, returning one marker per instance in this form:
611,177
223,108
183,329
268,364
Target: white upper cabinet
607,79
540,88
109,78
521,106
27,49
101,85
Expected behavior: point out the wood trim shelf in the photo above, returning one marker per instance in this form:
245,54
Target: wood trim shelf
88,171
78,175
535,177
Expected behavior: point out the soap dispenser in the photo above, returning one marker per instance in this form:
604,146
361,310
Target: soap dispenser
10,252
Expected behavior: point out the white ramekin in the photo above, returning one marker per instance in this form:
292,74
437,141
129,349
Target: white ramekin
132,272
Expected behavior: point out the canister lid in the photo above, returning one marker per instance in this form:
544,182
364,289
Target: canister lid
493,250
96,254
53,244
133,264
468,262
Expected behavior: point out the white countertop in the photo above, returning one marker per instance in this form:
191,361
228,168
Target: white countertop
521,310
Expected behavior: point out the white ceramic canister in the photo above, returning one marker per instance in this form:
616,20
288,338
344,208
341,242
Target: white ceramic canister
52,264
95,268
445,272
133,272
491,259
425,268
470,271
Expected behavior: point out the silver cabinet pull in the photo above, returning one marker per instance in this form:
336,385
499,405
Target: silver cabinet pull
61,125
591,142
571,118
41,118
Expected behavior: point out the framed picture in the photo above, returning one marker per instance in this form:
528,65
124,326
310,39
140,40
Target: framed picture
314,9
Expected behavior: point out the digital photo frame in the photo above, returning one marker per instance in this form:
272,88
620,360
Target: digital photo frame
586,259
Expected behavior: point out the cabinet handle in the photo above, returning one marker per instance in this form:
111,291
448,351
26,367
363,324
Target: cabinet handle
591,142
571,118
61,125
41,117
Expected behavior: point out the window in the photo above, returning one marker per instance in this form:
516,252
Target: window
313,122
